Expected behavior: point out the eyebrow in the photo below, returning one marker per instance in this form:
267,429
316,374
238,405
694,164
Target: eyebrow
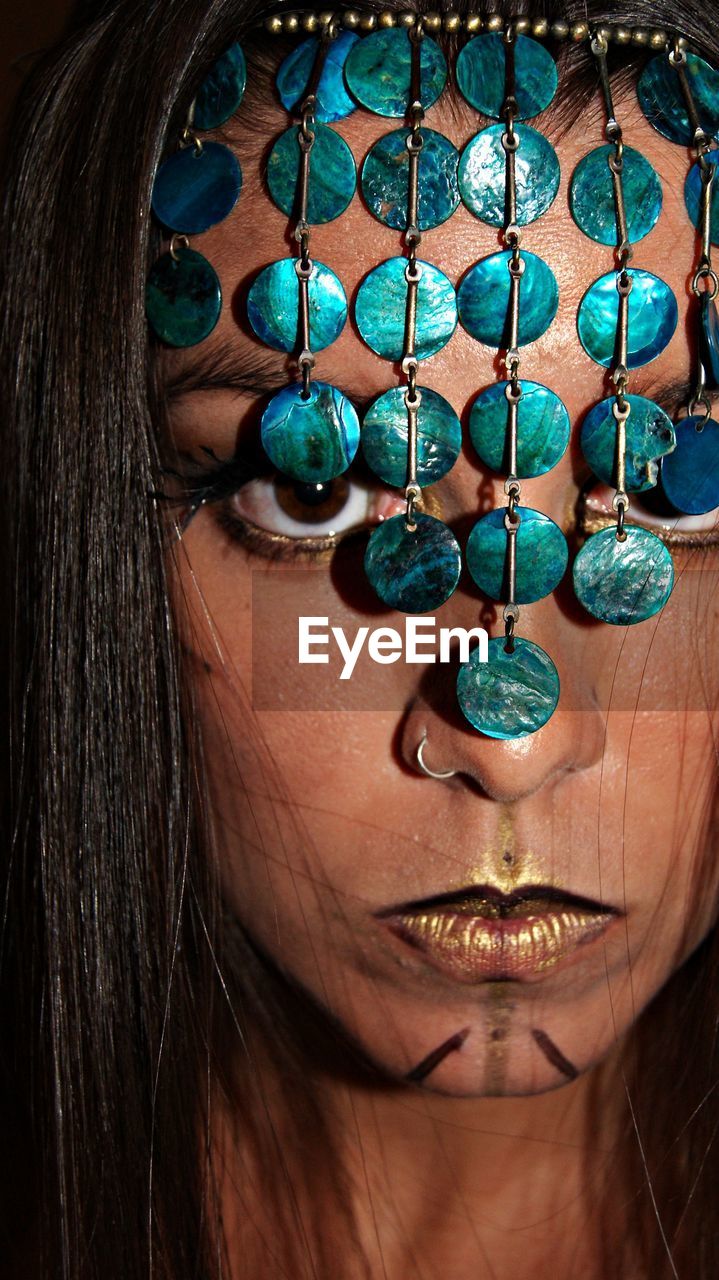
220,367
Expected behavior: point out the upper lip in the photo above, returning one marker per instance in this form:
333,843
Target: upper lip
488,900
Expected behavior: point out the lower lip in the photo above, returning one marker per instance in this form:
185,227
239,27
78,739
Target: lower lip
475,949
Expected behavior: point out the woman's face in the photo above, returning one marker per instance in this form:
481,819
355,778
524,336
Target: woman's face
323,820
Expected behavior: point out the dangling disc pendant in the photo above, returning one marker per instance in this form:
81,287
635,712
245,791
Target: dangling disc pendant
381,304
333,177
483,299
653,317
543,429
385,434
222,91
591,195
312,439
413,571
690,475
385,179
194,190
183,298
332,101
542,555
511,694
480,72
649,435
623,582
378,71
273,305
662,101
483,180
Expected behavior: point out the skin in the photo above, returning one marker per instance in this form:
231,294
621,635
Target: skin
322,817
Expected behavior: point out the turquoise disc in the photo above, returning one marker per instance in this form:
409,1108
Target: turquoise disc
542,555
332,174
709,341
332,101
480,75
380,309
272,305
385,180
662,102
183,298
222,91
693,193
543,429
623,582
653,316
193,192
385,432
483,299
591,195
690,475
312,440
511,694
650,435
415,571
378,71
482,175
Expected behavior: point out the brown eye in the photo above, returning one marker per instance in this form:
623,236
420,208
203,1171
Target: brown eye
647,509
312,503
286,508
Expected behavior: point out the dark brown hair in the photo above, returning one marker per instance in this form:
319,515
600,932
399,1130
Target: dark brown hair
116,1011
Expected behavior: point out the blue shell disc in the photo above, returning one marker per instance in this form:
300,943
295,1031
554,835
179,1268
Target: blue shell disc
482,175
195,190
381,303
312,440
623,582
385,433
483,299
709,341
480,75
273,305
690,475
378,71
511,694
332,101
542,555
332,174
543,429
413,571
183,298
693,196
385,179
662,102
591,195
653,316
650,435
222,91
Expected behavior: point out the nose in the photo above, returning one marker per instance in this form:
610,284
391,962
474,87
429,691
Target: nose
508,770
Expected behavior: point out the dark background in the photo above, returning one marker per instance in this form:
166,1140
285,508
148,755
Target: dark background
27,26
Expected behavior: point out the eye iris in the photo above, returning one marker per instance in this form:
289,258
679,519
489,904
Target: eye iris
309,501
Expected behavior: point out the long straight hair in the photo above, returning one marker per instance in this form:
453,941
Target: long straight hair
115,1011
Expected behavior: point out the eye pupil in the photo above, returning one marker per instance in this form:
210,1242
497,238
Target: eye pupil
313,494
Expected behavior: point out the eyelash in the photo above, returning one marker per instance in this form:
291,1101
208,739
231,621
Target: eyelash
217,485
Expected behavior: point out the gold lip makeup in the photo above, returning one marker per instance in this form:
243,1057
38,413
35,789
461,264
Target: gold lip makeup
481,933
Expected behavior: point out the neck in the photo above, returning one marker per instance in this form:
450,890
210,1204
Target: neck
437,1186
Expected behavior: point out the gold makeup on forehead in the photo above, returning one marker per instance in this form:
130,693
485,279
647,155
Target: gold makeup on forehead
412,179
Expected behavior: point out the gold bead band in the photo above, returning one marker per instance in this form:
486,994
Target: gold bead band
453,23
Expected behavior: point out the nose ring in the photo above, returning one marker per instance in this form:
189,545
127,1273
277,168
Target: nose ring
430,772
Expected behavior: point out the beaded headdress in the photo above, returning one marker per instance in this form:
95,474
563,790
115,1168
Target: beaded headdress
406,309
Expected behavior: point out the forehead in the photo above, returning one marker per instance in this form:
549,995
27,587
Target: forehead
258,233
